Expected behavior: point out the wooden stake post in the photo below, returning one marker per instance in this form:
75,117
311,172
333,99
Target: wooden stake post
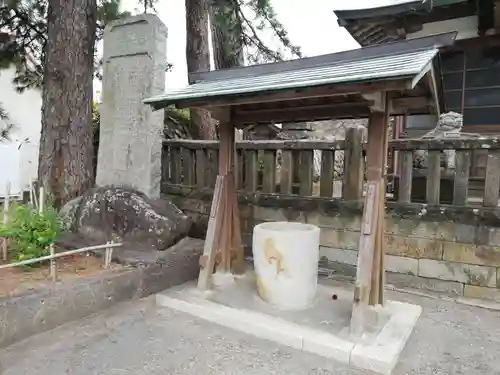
369,289
223,248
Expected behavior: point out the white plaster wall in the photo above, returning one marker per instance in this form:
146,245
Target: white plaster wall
465,26
19,158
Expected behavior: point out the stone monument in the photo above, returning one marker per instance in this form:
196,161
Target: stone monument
134,64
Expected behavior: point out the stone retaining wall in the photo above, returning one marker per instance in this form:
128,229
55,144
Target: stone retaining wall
445,249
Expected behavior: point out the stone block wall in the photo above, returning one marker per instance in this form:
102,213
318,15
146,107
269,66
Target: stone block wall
445,250
440,256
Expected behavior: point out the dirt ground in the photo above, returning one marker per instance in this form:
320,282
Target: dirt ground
16,281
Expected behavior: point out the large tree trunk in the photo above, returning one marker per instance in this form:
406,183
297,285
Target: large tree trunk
198,59
65,162
227,43
227,33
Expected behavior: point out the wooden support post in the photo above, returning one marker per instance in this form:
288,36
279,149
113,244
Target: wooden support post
327,173
207,260
41,199
433,177
165,165
492,181
378,271
352,184
108,255
201,167
286,173
175,165
226,149
238,169
6,203
405,176
251,167
269,173
6,207
461,184
32,195
53,264
188,167
306,158
223,245
5,246
238,255
369,286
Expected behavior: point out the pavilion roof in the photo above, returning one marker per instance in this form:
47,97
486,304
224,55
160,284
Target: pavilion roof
406,61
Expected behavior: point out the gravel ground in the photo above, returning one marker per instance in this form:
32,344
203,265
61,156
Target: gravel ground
136,338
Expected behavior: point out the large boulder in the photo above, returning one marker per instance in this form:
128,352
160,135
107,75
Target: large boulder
127,215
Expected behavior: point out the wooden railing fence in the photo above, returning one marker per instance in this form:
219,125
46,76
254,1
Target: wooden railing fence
288,167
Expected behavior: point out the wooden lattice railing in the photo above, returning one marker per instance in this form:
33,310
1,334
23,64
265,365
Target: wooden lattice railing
335,169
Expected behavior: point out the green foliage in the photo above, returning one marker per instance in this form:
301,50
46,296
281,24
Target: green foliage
181,114
26,22
96,116
5,125
267,19
242,23
30,232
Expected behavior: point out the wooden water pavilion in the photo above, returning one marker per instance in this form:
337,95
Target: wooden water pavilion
373,82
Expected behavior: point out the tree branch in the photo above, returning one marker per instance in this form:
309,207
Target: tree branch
27,23
256,40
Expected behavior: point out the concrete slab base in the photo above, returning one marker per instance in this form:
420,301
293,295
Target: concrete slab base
321,329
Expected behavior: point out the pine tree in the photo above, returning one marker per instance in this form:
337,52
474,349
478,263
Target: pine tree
25,21
236,27
52,45
65,165
198,59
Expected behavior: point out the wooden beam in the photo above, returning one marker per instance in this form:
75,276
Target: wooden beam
356,109
378,100
302,144
221,114
367,31
407,103
415,81
304,113
430,79
398,105
294,94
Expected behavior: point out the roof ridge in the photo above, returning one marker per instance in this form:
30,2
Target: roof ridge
393,48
